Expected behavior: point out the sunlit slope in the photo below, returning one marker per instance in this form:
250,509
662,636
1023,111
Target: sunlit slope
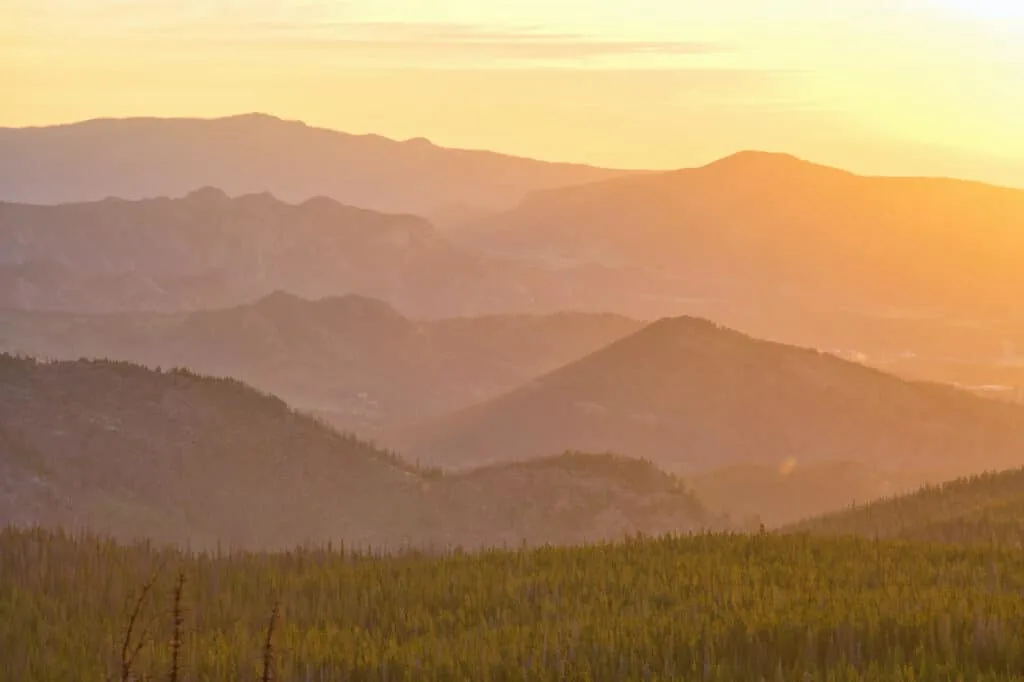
779,230
692,396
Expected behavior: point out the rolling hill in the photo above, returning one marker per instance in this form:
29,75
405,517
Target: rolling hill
353,360
691,396
770,230
987,508
140,158
171,456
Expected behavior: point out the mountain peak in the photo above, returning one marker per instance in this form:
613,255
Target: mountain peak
348,305
675,327
207,195
763,162
279,297
258,118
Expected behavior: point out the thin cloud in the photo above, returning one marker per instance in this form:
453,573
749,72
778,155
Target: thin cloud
310,24
424,44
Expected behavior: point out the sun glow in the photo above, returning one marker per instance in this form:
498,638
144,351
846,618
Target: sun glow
615,84
999,10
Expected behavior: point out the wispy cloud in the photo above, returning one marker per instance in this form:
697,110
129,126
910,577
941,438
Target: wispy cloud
479,42
315,24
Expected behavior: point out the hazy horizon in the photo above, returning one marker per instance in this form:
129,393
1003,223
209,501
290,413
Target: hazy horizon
607,86
980,178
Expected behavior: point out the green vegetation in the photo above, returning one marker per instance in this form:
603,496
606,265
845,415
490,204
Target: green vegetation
777,495
180,458
983,509
707,607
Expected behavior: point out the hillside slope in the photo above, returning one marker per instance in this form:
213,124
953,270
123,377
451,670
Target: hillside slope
355,361
773,230
981,509
175,457
692,396
149,157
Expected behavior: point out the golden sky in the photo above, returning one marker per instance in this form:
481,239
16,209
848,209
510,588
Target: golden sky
930,87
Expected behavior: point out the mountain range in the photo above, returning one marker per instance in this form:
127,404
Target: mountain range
175,457
141,158
354,361
210,250
788,250
419,296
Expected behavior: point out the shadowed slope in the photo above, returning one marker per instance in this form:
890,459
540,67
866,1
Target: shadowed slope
119,449
354,360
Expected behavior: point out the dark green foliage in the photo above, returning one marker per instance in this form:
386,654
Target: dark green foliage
713,608
985,509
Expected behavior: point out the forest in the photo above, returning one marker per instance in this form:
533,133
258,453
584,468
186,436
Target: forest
708,607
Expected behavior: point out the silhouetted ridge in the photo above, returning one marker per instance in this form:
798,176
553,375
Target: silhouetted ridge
145,157
258,117
684,324
206,250
419,142
321,207
358,309
207,195
259,200
765,165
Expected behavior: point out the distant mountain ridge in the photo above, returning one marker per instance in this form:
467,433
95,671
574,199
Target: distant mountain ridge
138,158
692,396
174,457
354,360
772,230
207,250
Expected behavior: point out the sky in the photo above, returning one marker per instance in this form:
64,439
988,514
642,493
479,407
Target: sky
925,87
